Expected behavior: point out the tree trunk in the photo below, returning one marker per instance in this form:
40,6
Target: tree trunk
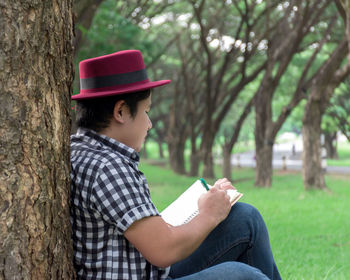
346,9
84,12
227,147
264,138
312,161
194,160
208,164
263,157
226,163
330,144
160,149
195,157
35,88
176,155
329,76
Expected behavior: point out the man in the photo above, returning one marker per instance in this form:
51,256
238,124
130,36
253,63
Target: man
117,231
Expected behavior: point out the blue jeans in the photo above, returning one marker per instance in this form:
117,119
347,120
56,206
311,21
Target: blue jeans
238,248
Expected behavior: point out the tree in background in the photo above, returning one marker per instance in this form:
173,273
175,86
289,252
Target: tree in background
343,115
227,69
346,7
212,51
84,12
293,38
35,87
231,138
325,80
329,130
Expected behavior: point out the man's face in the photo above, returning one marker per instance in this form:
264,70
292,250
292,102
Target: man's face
139,125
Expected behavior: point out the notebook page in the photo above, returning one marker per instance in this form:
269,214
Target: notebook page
185,206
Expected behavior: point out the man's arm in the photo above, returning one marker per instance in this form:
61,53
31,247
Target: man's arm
163,245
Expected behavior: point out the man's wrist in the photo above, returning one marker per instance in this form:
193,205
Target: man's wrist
209,220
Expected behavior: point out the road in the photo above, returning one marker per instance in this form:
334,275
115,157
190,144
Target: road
284,155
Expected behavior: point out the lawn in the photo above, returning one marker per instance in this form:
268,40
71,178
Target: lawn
309,231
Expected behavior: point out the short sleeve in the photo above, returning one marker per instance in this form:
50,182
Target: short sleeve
120,194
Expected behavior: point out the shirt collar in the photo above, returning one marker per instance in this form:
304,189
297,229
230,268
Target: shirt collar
109,143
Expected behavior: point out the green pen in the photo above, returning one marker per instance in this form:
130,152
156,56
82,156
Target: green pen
204,183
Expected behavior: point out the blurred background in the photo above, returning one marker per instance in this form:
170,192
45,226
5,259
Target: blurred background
260,84
260,94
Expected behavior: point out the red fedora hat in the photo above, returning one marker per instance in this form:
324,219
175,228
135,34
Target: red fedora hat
112,74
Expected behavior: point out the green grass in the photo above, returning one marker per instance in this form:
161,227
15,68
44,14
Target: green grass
309,231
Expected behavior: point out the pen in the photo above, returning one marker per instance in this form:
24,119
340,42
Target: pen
204,184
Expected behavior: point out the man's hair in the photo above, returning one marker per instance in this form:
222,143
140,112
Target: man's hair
96,113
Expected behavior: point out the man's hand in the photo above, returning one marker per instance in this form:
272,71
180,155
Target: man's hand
215,204
224,184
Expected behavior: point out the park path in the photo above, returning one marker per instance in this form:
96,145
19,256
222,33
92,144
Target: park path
285,156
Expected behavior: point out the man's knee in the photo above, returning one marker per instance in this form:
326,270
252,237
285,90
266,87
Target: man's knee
237,271
245,211
246,219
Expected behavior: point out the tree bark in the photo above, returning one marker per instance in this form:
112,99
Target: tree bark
330,143
264,138
208,164
84,12
326,80
230,142
160,149
176,156
264,156
206,149
175,140
312,161
36,76
344,10
194,161
226,162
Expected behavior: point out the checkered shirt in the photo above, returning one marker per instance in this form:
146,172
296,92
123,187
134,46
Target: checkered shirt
108,194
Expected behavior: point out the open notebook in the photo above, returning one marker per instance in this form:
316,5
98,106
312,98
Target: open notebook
185,207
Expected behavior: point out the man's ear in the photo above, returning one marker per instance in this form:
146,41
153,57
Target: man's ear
119,111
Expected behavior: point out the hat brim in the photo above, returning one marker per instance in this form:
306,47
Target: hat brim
128,89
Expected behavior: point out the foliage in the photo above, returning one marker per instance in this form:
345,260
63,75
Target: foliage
338,114
112,32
